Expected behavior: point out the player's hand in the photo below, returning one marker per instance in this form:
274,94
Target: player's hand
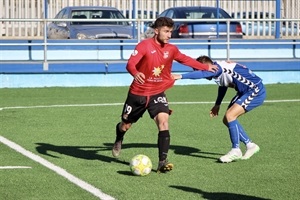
214,112
139,77
212,68
176,76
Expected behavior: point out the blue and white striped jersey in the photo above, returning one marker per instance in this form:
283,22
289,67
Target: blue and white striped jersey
229,74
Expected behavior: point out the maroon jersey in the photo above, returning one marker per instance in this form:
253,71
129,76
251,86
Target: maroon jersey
155,62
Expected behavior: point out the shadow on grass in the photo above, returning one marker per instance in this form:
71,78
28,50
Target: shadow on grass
178,149
217,195
126,173
83,152
94,152
129,173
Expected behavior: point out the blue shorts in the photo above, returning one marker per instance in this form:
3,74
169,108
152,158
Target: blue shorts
251,99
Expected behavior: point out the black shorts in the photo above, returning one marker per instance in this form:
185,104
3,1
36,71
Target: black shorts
136,105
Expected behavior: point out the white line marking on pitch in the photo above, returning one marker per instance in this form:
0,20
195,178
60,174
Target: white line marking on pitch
119,104
15,167
82,184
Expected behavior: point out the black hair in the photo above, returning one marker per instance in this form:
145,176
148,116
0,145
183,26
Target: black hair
204,60
163,21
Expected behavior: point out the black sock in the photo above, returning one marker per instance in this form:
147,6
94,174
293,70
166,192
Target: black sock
119,134
163,144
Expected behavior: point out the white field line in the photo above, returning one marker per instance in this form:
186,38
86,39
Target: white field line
119,104
82,184
15,167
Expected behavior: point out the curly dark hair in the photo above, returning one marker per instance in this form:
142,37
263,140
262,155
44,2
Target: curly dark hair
163,21
204,60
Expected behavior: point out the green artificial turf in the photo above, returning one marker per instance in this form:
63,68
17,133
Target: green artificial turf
74,129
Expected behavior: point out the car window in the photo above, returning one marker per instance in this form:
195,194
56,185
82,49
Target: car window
196,15
98,14
170,14
65,15
164,13
222,14
117,15
203,14
61,15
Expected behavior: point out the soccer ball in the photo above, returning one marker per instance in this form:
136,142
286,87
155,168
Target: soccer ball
140,165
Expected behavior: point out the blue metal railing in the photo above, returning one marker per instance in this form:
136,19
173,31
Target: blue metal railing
228,41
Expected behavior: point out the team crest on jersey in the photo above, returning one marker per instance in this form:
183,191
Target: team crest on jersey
157,70
135,52
166,54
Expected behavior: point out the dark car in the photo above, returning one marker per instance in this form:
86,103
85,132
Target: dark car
202,29
89,29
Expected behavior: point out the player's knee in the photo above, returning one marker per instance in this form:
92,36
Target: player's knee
225,122
125,126
229,117
162,121
163,125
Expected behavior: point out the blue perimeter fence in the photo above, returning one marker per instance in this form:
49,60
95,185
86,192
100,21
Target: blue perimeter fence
76,63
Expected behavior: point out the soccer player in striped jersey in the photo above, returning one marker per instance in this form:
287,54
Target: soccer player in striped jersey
251,93
150,65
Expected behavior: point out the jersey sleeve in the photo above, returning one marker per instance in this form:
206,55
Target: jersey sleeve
188,61
201,74
135,58
221,94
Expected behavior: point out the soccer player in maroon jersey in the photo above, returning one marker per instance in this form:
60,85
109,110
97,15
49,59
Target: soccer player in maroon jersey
150,64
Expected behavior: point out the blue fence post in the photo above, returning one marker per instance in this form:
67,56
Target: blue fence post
218,13
278,16
46,9
133,17
45,63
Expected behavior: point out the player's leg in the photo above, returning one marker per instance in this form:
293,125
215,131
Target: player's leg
133,109
230,119
163,142
253,100
159,111
252,148
121,129
242,134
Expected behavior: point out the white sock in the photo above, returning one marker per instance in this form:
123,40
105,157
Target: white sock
236,149
250,145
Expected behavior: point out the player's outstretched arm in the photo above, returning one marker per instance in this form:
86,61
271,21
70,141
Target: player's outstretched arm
176,76
198,75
